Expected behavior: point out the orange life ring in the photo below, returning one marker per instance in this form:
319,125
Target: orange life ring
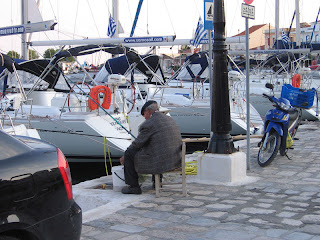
94,97
296,80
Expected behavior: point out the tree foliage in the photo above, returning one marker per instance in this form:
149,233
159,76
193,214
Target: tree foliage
33,54
49,53
13,54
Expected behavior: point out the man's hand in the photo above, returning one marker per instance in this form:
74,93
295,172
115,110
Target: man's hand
122,160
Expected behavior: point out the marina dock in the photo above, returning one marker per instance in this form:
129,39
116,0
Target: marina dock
280,201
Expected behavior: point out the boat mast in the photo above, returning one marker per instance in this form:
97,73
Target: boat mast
314,26
136,17
277,23
298,40
24,20
115,15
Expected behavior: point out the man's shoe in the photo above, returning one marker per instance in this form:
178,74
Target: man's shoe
131,190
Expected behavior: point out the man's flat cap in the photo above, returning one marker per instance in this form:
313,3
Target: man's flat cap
147,104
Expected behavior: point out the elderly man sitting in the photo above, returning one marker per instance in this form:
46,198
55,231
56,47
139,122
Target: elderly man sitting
157,148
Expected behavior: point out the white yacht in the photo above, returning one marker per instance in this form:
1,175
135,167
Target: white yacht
62,117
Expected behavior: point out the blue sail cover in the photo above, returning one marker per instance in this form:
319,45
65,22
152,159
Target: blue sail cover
196,68
117,65
199,58
120,65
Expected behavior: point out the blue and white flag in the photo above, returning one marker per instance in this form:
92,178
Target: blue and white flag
111,27
285,37
199,34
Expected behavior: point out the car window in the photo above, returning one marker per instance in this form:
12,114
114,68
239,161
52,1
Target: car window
34,143
10,146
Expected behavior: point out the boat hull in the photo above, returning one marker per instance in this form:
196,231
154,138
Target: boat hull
84,137
195,122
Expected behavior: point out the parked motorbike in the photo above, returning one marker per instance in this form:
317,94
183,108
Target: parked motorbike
280,126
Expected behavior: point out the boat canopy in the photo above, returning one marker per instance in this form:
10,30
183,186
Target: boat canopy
49,70
37,67
6,63
89,49
147,64
281,62
195,66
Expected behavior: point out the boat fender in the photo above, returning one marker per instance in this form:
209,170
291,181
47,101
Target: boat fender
296,80
94,97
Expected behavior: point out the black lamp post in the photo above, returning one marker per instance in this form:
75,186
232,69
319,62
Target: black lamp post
221,141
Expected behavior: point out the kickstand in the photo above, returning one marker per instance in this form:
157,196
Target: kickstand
288,156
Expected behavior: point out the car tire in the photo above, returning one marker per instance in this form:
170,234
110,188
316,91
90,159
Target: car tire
8,238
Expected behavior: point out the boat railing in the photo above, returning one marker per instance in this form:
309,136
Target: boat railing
5,118
21,113
155,93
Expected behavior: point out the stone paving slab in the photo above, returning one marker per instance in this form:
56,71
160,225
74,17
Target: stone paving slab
283,203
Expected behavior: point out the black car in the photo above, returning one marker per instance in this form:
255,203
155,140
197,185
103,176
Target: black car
36,201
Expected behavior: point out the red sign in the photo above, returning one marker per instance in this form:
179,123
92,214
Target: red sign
248,1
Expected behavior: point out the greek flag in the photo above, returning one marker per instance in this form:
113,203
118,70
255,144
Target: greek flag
199,34
285,37
111,27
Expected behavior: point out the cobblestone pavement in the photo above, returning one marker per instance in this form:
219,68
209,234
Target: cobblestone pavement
283,203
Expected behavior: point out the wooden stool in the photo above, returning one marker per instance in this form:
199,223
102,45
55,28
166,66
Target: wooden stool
159,186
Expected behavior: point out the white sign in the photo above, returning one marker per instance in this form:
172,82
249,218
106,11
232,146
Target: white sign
28,28
208,14
247,11
145,39
209,11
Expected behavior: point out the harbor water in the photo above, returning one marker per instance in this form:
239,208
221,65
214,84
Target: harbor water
87,169
83,171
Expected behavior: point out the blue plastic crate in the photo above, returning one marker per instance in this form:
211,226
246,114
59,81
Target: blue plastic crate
302,98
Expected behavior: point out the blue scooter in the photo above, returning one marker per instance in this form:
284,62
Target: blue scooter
280,125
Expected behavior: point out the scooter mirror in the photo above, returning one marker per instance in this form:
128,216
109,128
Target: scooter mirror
269,85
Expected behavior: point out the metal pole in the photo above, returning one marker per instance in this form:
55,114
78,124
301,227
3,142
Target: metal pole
248,93
221,141
115,15
136,18
210,69
24,20
298,30
277,23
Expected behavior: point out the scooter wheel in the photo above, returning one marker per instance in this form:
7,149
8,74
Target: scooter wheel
283,152
269,149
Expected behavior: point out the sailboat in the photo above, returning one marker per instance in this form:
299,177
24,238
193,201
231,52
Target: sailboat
62,118
286,63
83,134
193,76
188,101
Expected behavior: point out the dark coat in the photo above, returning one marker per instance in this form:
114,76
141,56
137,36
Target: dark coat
158,145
